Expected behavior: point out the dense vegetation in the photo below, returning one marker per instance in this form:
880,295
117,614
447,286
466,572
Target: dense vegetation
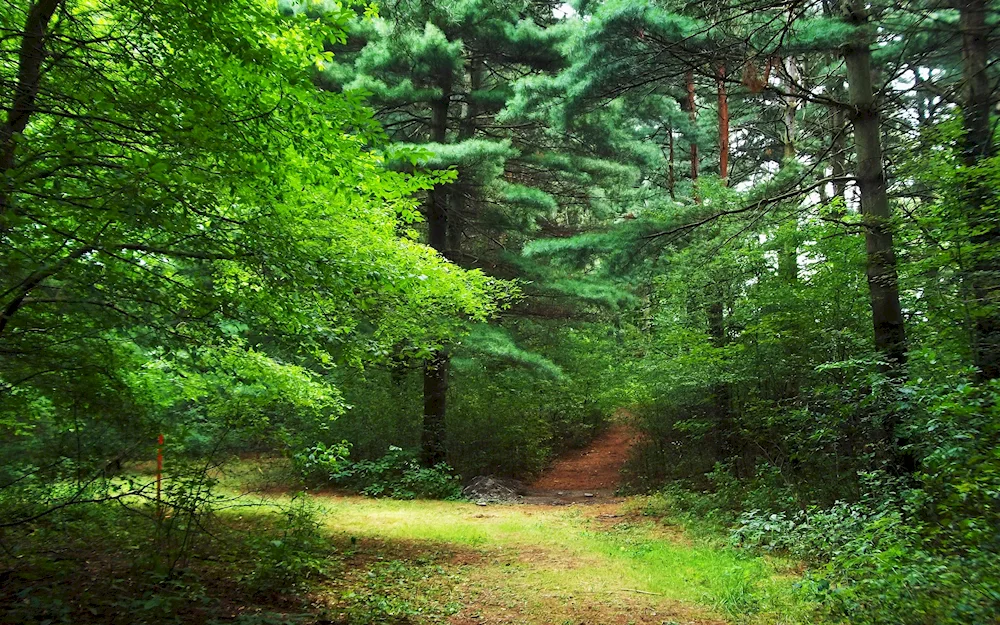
404,242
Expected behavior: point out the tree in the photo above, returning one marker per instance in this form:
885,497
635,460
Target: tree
440,77
175,190
979,145
883,281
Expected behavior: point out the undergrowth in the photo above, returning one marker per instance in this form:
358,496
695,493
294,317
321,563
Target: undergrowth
397,475
121,564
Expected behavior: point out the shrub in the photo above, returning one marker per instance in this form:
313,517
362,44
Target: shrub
398,475
285,559
319,462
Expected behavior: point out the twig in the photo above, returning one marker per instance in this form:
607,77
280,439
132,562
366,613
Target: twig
641,592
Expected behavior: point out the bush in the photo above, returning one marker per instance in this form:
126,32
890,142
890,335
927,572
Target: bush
877,562
398,475
817,535
285,559
888,573
506,416
320,461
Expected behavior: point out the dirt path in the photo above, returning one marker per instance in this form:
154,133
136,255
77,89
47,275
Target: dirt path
587,475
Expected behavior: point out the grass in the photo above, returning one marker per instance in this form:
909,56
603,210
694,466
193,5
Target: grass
357,561
545,558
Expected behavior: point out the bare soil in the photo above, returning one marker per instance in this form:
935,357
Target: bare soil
588,475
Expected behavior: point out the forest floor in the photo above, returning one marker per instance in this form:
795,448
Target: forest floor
572,553
433,562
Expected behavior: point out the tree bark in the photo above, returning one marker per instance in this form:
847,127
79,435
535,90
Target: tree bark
437,198
466,130
725,432
432,438
693,114
436,367
978,197
788,255
838,122
723,125
791,108
838,145
671,180
883,282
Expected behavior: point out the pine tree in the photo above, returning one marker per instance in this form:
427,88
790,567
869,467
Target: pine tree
439,74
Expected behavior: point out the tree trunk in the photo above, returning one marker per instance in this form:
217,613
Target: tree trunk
723,126
436,367
838,145
978,197
788,255
838,122
883,283
693,114
791,108
435,407
725,431
22,105
466,130
437,198
671,180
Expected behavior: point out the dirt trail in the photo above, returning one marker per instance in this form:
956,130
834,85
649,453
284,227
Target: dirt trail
586,475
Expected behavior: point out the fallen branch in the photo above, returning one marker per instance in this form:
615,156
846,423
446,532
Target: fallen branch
641,592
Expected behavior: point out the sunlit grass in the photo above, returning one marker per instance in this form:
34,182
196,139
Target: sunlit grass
540,556
565,554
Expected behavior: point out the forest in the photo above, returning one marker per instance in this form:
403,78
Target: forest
500,311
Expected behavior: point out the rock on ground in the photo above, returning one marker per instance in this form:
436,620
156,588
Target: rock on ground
487,489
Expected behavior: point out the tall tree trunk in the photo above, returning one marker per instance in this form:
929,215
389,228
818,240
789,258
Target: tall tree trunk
838,146
791,107
432,447
883,282
29,72
725,433
788,256
671,179
838,121
693,114
723,125
436,367
467,128
979,197
437,198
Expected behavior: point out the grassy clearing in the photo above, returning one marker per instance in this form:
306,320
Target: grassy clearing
543,561
323,559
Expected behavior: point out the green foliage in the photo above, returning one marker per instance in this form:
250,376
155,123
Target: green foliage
194,237
493,343
398,475
318,462
388,597
290,555
510,409
206,233
120,565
